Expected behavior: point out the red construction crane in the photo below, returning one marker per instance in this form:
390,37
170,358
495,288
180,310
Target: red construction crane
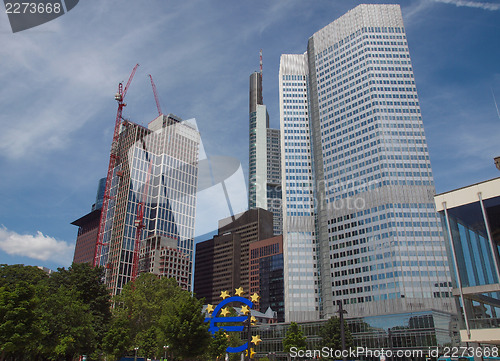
156,95
119,97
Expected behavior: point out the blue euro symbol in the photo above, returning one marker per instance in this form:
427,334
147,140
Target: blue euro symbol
213,320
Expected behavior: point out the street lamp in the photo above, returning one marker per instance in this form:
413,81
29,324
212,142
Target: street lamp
341,313
135,355
165,348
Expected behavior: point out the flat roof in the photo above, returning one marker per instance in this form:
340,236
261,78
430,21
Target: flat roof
468,194
87,218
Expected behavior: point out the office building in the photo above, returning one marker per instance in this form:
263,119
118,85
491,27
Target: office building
471,221
266,274
222,263
153,191
264,184
359,224
88,228
409,336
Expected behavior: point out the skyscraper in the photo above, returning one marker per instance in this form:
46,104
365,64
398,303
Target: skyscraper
264,182
360,225
155,180
88,228
223,263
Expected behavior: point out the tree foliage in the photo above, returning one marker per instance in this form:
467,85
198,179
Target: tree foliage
52,318
218,345
153,312
68,314
330,335
294,338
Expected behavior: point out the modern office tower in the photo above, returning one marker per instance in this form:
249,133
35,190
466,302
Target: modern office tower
99,198
360,225
88,226
471,221
222,263
266,274
264,182
155,181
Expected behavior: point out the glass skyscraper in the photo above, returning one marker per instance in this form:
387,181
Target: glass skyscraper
264,181
360,225
156,175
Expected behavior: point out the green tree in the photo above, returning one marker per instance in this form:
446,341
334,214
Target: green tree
19,300
184,326
294,338
330,335
85,282
117,339
218,345
153,312
65,323
17,317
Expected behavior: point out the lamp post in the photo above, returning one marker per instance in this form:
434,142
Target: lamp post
342,330
249,336
165,348
135,355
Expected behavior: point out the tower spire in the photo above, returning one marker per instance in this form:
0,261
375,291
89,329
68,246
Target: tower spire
260,62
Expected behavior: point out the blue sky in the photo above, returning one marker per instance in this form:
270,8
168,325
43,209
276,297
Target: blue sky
58,81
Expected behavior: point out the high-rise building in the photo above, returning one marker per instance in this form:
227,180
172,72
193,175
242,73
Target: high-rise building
360,225
266,274
88,228
154,187
264,184
222,263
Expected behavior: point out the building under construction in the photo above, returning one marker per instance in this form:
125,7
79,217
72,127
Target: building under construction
149,214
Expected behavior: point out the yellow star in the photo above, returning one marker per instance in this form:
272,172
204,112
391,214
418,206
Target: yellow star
239,291
245,309
252,353
253,319
224,294
210,308
256,340
255,297
224,311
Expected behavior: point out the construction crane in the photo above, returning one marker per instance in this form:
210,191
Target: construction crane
156,95
119,97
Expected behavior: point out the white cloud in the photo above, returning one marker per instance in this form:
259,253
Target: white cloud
39,246
472,4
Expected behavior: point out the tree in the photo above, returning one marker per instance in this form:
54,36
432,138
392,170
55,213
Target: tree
18,335
85,283
20,288
294,338
53,317
65,323
153,312
330,335
117,339
218,345
184,326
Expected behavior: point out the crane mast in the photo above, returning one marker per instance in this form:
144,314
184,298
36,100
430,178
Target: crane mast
119,97
156,95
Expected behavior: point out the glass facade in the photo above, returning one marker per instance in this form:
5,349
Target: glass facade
414,331
156,180
264,183
471,220
353,136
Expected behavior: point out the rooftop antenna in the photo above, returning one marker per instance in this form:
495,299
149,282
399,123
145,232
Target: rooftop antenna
260,55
